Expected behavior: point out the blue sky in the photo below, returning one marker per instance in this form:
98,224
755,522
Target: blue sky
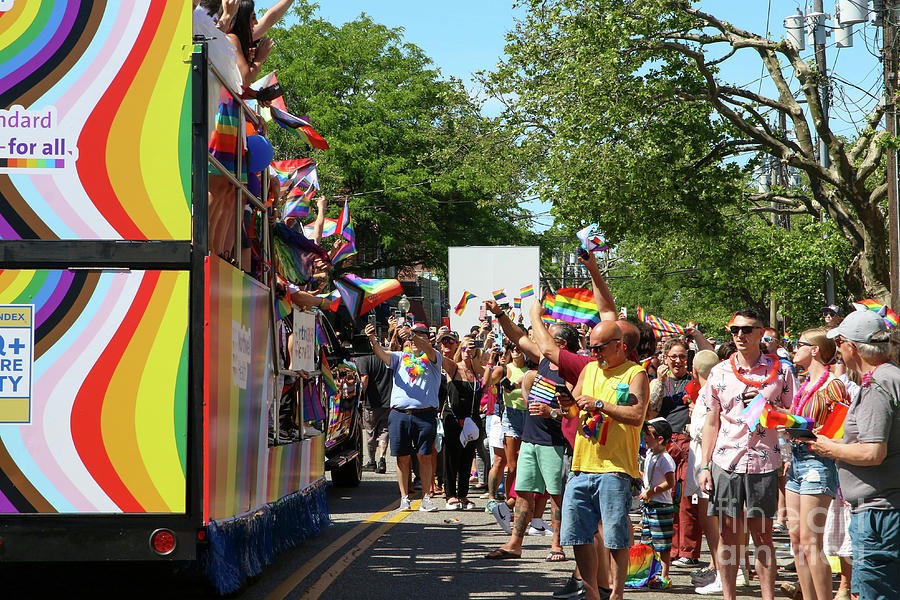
466,36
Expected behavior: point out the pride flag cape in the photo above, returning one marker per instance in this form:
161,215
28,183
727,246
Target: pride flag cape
771,418
299,125
643,565
461,307
295,255
833,426
890,317
361,295
575,305
498,295
327,378
590,240
526,291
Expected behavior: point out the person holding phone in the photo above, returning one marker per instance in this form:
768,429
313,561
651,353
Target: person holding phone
812,480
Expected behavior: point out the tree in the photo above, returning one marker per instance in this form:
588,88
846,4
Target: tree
644,136
423,168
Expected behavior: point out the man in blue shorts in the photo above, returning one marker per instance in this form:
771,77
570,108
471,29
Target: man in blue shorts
412,422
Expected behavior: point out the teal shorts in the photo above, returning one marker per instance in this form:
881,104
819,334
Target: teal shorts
539,468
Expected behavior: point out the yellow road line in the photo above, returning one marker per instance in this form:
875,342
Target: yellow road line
295,578
328,577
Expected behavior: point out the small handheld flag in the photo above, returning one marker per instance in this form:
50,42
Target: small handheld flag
590,239
461,307
526,291
517,303
499,295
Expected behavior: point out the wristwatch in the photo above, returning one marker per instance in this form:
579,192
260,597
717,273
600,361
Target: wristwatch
554,414
598,405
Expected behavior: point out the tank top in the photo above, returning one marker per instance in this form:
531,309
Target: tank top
615,450
514,398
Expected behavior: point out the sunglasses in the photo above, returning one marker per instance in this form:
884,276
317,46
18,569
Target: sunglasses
801,343
745,329
599,347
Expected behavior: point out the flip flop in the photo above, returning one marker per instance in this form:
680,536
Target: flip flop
556,556
500,554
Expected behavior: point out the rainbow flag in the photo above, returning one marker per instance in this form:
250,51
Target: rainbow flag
327,377
361,295
329,228
295,256
345,223
590,240
641,315
730,323
542,390
499,295
517,303
300,126
461,307
833,426
771,418
282,307
347,250
547,319
753,411
527,291
268,80
664,326
890,317
575,305
321,337
643,565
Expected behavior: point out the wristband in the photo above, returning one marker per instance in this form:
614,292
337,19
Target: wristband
706,468
490,364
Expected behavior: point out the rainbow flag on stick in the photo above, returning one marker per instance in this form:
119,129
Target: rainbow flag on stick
517,303
833,426
590,239
461,307
642,316
771,418
299,125
346,250
663,325
890,317
361,295
575,305
329,228
499,295
753,411
526,291
327,377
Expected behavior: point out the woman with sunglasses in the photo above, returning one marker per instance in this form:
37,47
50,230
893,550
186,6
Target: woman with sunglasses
812,479
464,392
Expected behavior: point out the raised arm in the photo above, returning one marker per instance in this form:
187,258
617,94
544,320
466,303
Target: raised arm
699,339
512,331
602,296
319,223
376,347
272,16
545,342
422,343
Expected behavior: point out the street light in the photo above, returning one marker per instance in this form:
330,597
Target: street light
403,305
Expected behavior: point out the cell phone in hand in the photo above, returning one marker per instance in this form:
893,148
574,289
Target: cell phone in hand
372,320
584,254
479,344
801,434
506,384
563,391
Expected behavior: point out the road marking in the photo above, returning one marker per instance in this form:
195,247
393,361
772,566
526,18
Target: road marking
297,577
329,576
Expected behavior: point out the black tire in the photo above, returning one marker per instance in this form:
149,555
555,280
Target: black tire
350,474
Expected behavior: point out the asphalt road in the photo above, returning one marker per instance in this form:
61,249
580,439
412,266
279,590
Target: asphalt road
371,552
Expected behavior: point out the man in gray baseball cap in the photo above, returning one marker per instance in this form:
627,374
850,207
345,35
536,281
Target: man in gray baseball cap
868,457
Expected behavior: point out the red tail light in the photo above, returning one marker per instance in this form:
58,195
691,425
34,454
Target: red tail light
162,541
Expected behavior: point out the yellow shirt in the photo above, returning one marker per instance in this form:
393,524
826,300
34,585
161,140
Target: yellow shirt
615,450
514,398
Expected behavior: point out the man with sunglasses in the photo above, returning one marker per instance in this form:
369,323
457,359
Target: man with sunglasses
832,315
868,457
739,466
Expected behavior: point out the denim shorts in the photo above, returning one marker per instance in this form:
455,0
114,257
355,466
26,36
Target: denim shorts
876,553
513,422
810,473
590,498
412,433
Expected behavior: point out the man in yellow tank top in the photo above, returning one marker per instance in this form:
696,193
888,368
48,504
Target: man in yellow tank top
612,393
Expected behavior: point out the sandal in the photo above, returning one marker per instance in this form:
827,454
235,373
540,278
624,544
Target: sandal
501,554
452,504
556,556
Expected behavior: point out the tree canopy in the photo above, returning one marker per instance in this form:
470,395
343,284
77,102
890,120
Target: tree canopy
642,135
423,168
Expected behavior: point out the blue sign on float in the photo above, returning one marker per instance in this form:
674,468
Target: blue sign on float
16,362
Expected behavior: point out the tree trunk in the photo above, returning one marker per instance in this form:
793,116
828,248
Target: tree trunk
873,259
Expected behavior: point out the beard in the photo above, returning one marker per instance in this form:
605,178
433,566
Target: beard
602,362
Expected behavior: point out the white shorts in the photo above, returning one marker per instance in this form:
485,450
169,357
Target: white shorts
495,432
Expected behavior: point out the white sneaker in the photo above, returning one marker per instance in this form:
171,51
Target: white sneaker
539,527
710,589
503,515
427,505
405,504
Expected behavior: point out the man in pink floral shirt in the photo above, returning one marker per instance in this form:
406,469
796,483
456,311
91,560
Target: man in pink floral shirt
740,464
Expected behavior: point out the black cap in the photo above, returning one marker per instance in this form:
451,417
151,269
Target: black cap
660,426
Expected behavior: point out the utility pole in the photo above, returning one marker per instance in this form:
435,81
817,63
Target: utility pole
824,159
890,115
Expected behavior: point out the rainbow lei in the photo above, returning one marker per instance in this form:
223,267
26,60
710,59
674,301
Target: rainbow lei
415,365
590,426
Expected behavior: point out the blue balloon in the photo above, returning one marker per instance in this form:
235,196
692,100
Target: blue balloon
259,153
